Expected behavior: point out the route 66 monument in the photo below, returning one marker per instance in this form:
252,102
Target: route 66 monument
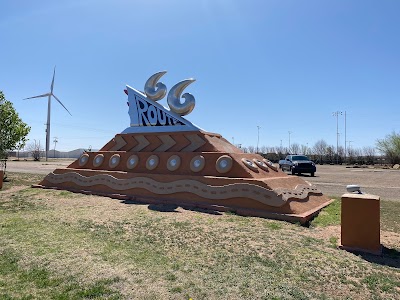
164,158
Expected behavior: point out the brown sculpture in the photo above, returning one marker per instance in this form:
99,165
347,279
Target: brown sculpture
163,158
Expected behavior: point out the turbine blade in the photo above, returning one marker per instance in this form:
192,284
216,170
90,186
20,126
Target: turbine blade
61,103
52,81
40,96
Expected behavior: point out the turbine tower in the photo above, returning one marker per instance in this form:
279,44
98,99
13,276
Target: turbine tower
49,110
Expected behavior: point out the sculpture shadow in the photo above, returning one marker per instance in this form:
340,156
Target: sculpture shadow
164,207
389,257
203,210
161,207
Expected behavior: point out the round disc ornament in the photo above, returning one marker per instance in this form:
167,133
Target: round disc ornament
83,159
173,162
248,163
98,160
152,162
114,160
132,161
197,163
224,164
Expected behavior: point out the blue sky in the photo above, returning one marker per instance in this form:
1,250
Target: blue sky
282,65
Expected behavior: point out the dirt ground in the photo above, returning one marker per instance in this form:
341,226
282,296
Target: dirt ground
332,180
37,167
157,251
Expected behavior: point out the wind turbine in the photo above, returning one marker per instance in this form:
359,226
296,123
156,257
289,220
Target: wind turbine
49,110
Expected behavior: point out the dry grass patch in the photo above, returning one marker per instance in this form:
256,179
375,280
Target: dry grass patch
57,244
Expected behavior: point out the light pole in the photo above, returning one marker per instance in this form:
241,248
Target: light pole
289,140
258,136
349,148
336,114
55,141
345,136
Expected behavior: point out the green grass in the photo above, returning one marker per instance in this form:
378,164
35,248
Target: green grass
389,215
329,215
21,179
274,225
38,282
58,245
333,240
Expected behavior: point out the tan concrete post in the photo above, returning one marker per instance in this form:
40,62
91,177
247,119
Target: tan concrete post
360,222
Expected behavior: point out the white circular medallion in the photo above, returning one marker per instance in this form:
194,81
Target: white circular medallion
262,165
114,160
83,159
224,164
152,162
248,163
98,160
173,162
197,163
132,161
270,164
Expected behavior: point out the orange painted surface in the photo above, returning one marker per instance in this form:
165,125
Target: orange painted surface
361,222
282,196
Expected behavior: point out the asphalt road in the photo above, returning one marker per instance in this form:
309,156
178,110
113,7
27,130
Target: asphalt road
331,180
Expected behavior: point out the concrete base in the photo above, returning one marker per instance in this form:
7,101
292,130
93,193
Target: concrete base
361,223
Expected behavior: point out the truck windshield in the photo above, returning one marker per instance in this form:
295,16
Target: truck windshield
299,157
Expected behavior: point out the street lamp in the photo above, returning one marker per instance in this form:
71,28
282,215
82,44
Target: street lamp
350,144
289,141
345,135
55,141
258,136
336,114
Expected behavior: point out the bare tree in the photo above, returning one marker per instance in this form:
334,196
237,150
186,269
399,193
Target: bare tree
330,153
263,149
369,154
35,150
279,149
295,148
359,156
270,150
304,149
351,155
251,149
320,150
340,153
